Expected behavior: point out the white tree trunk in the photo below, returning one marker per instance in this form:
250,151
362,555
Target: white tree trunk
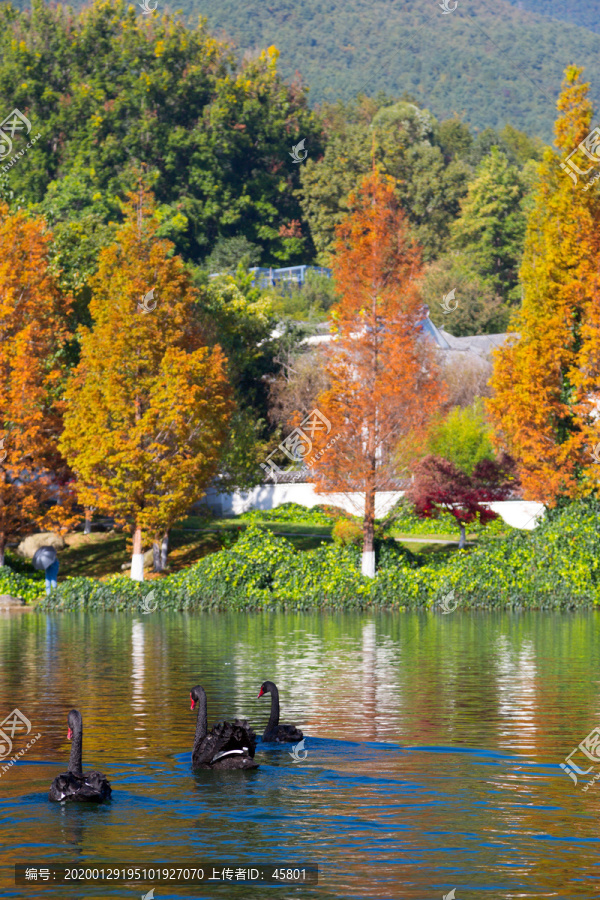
137,566
137,557
463,538
368,563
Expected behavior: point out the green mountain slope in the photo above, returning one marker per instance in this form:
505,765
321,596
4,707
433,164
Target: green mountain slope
579,12
492,63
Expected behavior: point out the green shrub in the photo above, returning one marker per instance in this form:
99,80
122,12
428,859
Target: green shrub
463,436
294,512
346,532
20,585
556,566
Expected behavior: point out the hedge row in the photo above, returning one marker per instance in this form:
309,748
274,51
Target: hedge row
294,513
402,519
555,566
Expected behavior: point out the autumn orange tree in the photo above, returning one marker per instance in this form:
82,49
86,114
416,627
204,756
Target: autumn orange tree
546,381
383,373
148,406
33,334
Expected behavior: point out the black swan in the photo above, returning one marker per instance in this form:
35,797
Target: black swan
227,746
282,734
93,787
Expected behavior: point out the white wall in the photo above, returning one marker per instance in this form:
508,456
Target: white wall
268,496
518,513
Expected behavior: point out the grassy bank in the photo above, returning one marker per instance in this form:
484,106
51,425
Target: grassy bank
103,554
554,567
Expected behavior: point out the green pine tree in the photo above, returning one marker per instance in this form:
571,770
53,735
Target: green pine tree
491,227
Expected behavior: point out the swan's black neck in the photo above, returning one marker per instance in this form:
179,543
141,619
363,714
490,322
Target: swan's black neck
76,750
274,717
202,721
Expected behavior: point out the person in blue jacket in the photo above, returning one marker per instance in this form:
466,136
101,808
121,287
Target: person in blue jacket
46,558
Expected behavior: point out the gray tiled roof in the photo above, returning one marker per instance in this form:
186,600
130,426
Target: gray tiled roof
481,344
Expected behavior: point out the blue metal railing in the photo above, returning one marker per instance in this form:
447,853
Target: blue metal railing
268,277
264,277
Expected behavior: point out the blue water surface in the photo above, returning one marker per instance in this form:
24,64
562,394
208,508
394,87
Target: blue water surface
432,745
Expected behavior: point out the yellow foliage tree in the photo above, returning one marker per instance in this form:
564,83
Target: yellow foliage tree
545,380
148,406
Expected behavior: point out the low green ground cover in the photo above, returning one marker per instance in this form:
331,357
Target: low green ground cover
293,513
555,566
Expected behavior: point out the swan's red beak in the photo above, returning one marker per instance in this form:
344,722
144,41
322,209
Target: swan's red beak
69,735
193,703
261,693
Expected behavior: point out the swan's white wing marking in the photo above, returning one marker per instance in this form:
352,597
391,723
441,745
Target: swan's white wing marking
225,753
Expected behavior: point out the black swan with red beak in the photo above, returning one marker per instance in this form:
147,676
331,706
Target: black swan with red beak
274,732
229,745
93,787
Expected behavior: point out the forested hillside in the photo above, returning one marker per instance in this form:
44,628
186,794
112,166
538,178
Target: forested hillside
493,63
578,12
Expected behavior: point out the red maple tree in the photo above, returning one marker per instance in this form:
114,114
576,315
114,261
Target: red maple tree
439,485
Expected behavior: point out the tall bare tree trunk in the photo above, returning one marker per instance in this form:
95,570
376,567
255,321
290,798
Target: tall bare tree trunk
156,567
160,551
164,550
137,558
2,546
87,527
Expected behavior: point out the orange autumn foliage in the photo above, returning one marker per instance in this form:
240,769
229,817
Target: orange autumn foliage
383,373
33,334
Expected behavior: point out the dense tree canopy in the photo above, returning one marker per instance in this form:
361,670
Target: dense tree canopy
111,90
491,225
495,68
430,180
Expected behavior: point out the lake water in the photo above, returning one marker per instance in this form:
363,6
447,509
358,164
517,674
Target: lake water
433,743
